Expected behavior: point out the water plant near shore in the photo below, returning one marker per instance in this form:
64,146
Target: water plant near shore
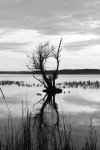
80,84
18,83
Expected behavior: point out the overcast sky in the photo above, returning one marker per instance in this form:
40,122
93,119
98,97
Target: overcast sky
26,23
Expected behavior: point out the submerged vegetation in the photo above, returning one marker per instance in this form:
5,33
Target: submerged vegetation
71,84
19,83
80,84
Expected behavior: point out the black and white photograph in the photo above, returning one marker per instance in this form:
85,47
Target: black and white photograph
49,74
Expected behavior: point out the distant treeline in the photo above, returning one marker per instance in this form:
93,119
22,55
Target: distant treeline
80,71
64,71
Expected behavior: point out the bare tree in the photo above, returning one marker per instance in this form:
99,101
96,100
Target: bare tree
38,61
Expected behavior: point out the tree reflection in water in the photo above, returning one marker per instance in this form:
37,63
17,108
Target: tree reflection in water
48,102
46,124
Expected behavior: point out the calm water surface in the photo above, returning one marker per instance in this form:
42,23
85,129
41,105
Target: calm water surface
78,104
74,100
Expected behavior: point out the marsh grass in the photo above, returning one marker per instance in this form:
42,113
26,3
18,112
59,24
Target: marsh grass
91,139
31,134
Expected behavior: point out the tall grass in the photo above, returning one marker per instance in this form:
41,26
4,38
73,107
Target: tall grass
91,139
32,134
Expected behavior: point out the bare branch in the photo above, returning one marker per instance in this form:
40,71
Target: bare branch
39,59
57,55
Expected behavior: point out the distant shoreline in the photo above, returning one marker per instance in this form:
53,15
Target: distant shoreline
64,71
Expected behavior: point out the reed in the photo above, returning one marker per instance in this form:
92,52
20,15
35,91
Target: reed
31,134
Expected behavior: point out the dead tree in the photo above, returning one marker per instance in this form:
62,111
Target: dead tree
38,61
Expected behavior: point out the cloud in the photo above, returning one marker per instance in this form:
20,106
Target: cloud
19,36
21,40
25,23
76,46
48,17
17,40
11,46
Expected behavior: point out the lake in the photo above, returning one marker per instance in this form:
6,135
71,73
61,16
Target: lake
73,100
78,104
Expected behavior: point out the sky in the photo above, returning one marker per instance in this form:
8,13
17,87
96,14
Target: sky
26,23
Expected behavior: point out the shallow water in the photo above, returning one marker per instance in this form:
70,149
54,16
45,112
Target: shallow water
74,100
78,104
